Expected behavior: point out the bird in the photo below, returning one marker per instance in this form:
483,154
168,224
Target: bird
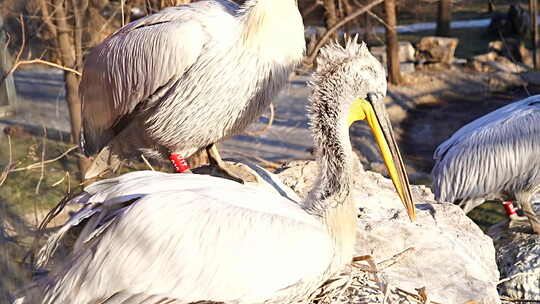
493,157
158,237
178,81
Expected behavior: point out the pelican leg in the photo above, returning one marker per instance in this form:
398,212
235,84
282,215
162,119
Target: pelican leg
528,210
234,173
180,164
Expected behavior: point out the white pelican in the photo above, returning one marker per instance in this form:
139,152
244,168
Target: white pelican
178,81
153,237
493,157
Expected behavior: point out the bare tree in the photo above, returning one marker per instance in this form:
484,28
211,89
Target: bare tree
392,44
444,17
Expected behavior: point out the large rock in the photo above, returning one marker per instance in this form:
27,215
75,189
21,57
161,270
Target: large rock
518,257
437,49
406,52
443,251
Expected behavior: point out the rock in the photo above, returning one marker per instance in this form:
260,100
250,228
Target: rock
518,257
443,251
437,49
513,49
492,62
406,52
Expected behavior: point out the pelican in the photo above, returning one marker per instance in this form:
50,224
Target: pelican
178,81
182,238
494,156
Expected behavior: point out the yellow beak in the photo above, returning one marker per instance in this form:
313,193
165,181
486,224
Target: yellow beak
377,119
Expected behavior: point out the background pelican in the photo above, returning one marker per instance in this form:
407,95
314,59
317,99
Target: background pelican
172,238
179,80
495,156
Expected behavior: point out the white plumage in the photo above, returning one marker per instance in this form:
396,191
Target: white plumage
153,237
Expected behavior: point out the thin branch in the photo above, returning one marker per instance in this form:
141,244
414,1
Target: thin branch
37,165
7,169
267,163
372,14
123,15
310,9
309,60
42,173
40,61
47,18
520,300
147,162
268,125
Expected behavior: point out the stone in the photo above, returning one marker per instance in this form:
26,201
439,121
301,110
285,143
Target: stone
518,257
406,52
437,49
513,49
443,251
492,62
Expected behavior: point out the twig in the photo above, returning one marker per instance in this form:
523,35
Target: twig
268,125
42,173
309,60
267,163
519,300
395,259
37,165
60,181
414,296
7,169
40,61
122,8
147,162
372,14
521,274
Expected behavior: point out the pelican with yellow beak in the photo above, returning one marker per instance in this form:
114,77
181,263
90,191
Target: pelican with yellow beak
152,237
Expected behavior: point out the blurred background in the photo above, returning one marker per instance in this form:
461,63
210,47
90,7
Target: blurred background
448,62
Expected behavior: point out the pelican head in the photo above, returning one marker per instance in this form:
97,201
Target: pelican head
350,81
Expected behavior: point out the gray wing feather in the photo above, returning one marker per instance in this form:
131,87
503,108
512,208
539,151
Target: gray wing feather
140,58
497,152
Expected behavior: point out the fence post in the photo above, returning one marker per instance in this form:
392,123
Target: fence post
8,95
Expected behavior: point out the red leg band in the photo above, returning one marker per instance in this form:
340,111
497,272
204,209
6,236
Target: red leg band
509,208
180,164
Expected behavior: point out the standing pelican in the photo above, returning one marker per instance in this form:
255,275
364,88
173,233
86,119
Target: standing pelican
495,156
180,80
171,238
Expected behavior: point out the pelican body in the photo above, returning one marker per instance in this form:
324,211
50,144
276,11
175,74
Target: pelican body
153,237
494,156
184,78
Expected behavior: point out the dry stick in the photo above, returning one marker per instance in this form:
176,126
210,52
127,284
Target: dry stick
311,8
395,259
414,296
147,162
59,181
521,274
268,125
37,165
520,300
6,171
42,173
19,62
268,163
122,8
360,11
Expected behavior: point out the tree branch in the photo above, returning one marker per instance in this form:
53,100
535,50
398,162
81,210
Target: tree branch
309,60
